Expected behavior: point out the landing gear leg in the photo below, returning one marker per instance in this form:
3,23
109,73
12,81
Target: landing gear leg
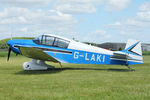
130,68
60,65
127,65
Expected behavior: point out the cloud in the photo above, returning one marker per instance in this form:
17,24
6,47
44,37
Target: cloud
117,5
36,20
69,6
142,18
144,15
136,27
96,36
145,6
35,16
89,6
49,16
24,3
76,8
25,30
101,33
80,1
116,24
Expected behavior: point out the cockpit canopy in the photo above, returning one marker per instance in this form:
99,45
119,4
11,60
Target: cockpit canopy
51,41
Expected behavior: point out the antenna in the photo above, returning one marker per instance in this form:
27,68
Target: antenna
73,38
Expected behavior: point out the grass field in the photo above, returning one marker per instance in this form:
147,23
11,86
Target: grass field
74,82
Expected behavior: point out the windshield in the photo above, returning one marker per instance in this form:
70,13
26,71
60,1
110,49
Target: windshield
38,40
51,41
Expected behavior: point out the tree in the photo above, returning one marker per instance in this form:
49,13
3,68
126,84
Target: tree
120,49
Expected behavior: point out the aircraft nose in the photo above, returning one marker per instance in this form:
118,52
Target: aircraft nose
10,43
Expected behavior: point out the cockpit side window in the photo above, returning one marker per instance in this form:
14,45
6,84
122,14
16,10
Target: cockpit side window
61,43
48,40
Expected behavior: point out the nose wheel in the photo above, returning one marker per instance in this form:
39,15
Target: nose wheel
36,65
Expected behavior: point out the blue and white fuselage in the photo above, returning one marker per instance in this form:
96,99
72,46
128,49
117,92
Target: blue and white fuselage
59,49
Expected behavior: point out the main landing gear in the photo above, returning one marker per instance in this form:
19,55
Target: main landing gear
36,65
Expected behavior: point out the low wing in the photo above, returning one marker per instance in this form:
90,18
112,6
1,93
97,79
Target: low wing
36,53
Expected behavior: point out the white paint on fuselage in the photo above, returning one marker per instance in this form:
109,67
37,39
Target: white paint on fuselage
84,47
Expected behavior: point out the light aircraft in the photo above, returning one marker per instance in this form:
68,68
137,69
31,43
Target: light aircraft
58,49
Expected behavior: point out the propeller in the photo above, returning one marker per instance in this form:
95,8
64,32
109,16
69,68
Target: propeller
9,51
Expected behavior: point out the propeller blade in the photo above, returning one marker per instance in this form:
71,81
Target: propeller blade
9,51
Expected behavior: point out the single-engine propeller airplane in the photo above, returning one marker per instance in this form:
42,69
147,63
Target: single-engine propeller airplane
55,48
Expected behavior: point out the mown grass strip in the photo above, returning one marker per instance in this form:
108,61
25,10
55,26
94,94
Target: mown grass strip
74,82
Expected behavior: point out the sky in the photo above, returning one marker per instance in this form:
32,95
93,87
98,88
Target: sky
95,21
